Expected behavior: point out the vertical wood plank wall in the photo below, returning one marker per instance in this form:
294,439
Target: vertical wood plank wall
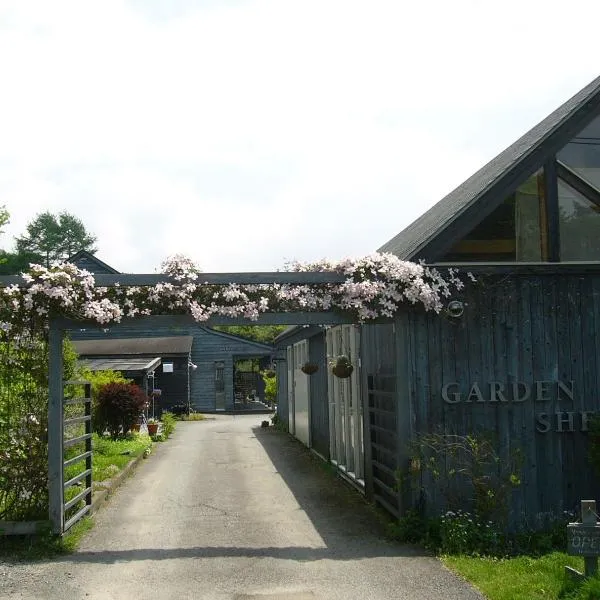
319,409
515,329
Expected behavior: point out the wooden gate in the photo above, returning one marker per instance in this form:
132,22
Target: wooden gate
69,503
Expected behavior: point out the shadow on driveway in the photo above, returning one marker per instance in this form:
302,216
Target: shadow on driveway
350,527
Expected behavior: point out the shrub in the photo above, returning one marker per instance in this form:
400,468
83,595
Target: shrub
168,421
279,423
98,380
23,423
461,532
270,378
472,471
119,407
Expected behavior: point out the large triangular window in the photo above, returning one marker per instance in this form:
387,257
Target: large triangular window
515,231
553,216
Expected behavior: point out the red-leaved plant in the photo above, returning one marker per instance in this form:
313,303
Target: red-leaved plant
119,407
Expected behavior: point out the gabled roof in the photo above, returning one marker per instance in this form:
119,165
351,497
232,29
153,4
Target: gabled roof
152,346
296,333
260,347
434,232
86,260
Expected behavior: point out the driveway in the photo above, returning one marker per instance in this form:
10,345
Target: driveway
227,510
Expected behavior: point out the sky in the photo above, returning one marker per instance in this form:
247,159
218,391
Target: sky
249,133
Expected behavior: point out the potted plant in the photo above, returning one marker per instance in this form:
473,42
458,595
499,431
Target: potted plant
152,426
342,367
309,368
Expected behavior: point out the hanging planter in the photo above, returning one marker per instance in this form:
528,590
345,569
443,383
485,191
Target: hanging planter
309,368
342,367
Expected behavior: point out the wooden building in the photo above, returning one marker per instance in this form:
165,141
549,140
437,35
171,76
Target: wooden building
199,368
516,355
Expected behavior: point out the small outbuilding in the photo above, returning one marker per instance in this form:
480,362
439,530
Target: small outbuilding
200,368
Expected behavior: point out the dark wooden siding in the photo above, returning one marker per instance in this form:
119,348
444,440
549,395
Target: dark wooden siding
282,386
208,347
515,329
173,385
319,407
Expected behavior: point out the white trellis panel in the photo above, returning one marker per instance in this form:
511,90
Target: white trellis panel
301,393
345,404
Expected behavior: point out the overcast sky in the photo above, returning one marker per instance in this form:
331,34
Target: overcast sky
245,133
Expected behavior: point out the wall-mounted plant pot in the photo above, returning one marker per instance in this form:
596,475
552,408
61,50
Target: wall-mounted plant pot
309,368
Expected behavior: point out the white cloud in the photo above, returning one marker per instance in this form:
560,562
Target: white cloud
244,133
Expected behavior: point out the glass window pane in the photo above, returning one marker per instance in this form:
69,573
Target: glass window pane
579,225
582,153
513,232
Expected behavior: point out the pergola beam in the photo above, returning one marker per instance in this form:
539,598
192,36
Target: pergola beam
271,277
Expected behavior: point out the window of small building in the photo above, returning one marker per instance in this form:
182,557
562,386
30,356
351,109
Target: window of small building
513,232
579,225
582,153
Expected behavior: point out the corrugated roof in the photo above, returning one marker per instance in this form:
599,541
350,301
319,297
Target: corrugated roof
155,346
412,240
143,365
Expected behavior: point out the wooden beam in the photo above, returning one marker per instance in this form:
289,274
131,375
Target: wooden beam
292,318
137,279
484,247
511,268
578,183
552,211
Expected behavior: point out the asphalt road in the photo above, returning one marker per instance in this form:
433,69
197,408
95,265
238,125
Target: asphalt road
228,511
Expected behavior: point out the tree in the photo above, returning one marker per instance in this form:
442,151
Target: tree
4,217
51,238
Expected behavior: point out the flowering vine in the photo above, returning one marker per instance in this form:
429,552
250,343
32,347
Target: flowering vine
375,286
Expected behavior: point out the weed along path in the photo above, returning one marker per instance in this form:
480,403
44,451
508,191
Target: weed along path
227,510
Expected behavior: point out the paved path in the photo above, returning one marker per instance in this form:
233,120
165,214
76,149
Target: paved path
228,511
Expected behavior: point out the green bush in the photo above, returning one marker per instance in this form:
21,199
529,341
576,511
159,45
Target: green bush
98,379
270,378
119,407
24,423
473,472
168,421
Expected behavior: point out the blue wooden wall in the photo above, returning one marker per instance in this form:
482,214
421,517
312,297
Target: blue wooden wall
520,328
319,407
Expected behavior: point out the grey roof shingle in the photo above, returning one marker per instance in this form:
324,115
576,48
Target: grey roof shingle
153,346
539,143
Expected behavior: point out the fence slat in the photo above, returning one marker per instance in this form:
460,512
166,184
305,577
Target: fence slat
77,459
77,498
77,478
76,517
77,440
75,420
76,401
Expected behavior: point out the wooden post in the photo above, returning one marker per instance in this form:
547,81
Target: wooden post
55,428
588,517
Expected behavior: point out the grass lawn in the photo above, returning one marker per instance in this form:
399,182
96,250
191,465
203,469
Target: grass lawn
110,456
525,577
